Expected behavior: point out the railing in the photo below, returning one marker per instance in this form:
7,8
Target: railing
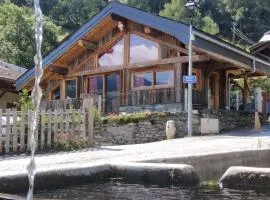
156,96
114,100
61,104
61,126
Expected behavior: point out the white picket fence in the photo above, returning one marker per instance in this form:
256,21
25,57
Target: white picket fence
53,126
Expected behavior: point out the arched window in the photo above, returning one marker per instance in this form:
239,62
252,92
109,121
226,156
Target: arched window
113,56
142,49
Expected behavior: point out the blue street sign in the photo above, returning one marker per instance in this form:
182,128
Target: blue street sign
189,79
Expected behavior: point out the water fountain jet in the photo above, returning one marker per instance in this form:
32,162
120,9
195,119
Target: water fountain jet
36,96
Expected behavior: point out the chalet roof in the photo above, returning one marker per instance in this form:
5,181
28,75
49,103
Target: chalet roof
10,72
179,30
264,40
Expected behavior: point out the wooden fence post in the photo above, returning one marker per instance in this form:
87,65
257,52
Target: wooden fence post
49,136
1,134
84,123
91,123
8,131
14,131
29,130
55,127
22,134
42,133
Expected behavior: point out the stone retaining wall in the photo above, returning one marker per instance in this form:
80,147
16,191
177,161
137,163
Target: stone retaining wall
152,128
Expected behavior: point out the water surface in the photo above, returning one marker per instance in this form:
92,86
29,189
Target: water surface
121,190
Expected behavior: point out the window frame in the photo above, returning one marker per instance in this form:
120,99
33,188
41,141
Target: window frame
70,79
153,86
142,87
146,37
103,52
94,76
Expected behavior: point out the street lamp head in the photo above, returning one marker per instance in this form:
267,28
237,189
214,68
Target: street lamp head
192,5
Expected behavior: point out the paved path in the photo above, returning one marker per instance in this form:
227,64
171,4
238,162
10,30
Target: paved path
165,149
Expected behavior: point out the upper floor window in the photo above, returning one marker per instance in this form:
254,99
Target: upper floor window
71,89
113,56
142,49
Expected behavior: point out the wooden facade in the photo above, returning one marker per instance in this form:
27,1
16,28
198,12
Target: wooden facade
129,63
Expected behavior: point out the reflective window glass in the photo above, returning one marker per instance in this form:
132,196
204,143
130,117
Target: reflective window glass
142,79
164,78
71,89
113,56
142,50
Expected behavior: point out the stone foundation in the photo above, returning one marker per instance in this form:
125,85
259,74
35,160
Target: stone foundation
152,127
172,108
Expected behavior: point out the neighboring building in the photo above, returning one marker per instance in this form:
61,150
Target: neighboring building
133,58
8,75
262,48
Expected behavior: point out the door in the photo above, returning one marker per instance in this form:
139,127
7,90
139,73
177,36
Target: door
214,90
112,101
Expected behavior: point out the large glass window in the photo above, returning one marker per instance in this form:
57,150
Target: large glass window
152,79
144,79
142,50
71,90
95,85
113,56
164,78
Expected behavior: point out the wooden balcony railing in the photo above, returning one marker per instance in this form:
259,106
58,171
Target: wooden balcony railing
114,100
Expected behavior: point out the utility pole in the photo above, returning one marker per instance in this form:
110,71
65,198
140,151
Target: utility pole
233,37
191,5
190,84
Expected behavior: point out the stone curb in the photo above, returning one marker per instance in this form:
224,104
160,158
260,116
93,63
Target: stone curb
61,177
246,178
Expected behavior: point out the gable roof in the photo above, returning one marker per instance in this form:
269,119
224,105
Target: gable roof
10,72
176,29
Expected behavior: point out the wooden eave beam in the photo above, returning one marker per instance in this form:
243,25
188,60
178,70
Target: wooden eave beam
58,70
182,59
248,74
87,45
219,57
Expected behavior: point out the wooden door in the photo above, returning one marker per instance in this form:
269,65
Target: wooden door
112,91
214,90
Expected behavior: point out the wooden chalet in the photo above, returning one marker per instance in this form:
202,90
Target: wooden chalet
131,58
8,75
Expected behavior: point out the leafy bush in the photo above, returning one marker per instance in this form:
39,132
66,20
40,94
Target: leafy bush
130,118
25,100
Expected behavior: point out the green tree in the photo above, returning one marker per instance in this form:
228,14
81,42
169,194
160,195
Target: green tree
72,14
17,41
176,10
147,5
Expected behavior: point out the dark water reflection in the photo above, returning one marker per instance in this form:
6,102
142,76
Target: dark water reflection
120,190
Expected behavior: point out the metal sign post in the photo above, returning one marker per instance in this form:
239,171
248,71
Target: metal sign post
190,84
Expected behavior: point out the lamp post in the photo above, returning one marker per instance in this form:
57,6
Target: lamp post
191,6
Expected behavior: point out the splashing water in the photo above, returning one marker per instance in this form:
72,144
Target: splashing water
36,96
